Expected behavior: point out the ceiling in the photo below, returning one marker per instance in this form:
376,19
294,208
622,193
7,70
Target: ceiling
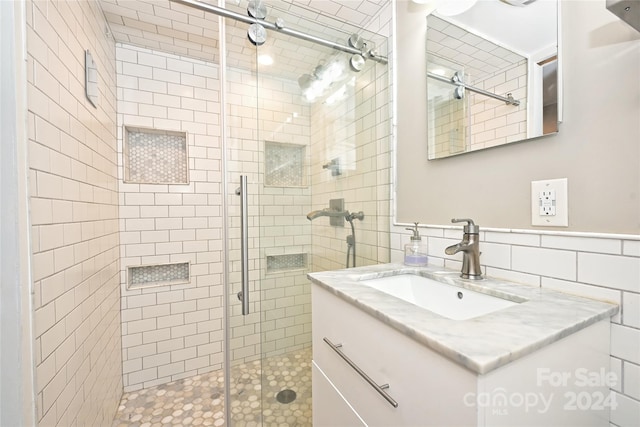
524,30
182,30
177,29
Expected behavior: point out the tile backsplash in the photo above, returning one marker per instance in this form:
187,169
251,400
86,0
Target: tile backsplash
603,267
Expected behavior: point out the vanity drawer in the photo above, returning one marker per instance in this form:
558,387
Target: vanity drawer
330,409
425,385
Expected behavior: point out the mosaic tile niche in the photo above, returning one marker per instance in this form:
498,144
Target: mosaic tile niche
153,156
158,275
285,164
278,263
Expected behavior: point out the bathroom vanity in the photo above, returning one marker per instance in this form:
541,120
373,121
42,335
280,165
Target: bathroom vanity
541,358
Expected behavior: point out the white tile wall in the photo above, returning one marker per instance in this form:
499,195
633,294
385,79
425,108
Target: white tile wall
355,130
491,122
280,220
163,223
162,325
74,215
599,267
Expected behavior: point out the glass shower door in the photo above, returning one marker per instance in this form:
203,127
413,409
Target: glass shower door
292,106
267,141
243,305
284,152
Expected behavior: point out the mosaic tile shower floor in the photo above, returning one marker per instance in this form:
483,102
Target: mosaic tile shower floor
199,400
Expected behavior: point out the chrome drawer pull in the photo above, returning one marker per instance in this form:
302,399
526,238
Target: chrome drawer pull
379,388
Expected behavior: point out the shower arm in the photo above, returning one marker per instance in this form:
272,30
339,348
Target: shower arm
509,100
220,11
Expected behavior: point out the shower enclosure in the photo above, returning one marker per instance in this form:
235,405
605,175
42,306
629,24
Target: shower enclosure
303,105
271,107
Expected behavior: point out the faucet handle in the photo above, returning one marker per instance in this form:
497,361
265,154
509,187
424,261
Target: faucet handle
470,228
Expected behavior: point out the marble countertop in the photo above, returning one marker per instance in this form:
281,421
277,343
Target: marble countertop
481,344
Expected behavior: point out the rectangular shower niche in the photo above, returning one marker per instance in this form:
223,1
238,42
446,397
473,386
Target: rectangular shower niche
285,164
146,276
286,262
154,156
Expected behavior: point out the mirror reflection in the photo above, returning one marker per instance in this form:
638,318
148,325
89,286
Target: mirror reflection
492,75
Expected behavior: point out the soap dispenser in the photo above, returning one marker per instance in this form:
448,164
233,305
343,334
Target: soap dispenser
415,252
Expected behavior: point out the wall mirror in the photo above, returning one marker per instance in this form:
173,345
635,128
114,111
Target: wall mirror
492,74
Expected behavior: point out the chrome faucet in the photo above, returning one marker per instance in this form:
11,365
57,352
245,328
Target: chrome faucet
470,248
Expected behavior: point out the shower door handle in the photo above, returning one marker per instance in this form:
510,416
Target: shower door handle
244,243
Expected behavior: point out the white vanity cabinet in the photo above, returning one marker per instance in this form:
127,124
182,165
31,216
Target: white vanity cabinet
334,410
433,390
427,387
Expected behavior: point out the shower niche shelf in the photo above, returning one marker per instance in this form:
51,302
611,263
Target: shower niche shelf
147,276
155,156
286,262
285,164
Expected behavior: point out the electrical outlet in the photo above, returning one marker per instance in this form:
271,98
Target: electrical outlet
549,203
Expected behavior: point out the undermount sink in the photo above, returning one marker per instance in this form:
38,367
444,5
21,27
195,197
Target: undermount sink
449,301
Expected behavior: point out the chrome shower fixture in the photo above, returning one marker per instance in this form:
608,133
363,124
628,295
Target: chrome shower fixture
346,215
357,41
327,212
333,166
357,62
458,78
257,12
462,86
354,215
349,216
257,9
256,32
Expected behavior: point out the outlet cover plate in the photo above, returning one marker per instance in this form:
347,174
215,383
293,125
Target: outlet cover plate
558,187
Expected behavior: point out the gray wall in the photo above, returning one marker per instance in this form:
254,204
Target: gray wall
597,149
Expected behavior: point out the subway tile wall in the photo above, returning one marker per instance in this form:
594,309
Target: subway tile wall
449,121
173,331
286,233
603,267
280,308
490,121
356,132
176,331
382,24
74,215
